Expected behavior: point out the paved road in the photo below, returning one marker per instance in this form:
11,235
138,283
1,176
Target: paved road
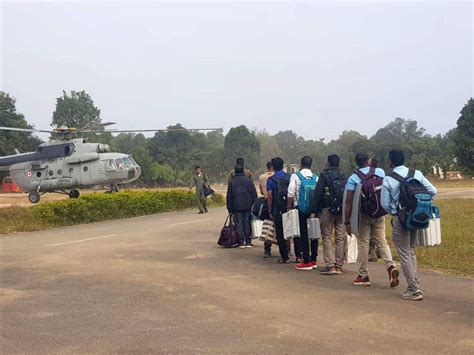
160,284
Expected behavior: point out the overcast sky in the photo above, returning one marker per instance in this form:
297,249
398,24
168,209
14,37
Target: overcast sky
317,68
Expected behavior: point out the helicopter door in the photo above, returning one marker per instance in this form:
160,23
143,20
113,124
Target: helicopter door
86,174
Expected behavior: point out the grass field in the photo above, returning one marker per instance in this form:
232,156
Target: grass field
456,252
453,183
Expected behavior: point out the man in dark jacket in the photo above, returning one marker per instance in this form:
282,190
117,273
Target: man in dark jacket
241,194
327,204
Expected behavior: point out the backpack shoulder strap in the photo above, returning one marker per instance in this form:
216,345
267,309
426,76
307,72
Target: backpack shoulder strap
361,175
371,171
298,173
397,176
411,173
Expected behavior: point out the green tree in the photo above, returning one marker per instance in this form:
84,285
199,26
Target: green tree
126,142
406,135
9,117
346,146
464,139
76,110
269,148
172,147
145,161
241,142
162,174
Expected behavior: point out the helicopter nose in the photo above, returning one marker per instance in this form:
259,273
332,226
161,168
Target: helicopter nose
134,173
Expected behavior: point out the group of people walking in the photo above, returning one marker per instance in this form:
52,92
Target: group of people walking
329,197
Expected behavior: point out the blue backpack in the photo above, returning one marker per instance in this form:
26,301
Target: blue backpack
305,198
415,208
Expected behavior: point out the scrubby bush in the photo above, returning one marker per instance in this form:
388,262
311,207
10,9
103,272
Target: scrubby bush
97,207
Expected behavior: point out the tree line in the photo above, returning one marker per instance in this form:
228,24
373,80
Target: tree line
169,158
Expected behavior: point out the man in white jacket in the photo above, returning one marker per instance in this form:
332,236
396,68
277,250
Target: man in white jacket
295,194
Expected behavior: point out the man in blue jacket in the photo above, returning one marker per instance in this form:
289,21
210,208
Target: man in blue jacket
404,239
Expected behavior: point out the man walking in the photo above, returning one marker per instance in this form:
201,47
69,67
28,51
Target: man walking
247,172
241,194
277,189
369,225
327,205
404,239
300,196
198,181
262,180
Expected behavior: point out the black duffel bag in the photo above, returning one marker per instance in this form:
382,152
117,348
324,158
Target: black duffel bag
228,237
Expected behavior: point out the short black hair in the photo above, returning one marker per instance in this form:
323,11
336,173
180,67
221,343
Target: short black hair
277,164
197,167
334,160
269,165
397,157
239,169
240,161
306,162
361,159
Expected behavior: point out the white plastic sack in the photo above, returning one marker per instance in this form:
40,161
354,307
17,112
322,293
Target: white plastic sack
351,249
430,236
291,224
314,228
257,226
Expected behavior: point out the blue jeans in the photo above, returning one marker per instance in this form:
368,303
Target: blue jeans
244,229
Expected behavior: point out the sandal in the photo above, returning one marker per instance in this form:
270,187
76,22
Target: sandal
281,261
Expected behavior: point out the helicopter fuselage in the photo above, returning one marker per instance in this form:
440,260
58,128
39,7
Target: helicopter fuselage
70,165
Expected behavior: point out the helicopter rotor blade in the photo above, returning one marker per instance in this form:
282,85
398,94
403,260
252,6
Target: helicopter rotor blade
29,130
151,130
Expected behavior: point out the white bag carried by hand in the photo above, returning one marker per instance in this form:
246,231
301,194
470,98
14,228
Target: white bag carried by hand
430,236
291,224
257,226
314,228
351,249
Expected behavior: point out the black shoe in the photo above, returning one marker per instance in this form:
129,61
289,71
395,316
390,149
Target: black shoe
267,254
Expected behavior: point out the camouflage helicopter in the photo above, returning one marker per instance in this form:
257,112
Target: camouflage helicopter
70,163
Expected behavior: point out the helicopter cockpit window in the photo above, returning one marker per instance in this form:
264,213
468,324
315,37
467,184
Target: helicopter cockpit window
110,165
128,162
133,160
120,164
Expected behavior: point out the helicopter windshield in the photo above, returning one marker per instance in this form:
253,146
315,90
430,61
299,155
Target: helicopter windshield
128,162
120,164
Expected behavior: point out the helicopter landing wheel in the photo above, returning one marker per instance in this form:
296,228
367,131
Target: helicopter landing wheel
74,194
114,188
34,197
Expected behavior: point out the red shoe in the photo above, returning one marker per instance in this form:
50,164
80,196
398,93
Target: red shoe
361,281
315,265
303,266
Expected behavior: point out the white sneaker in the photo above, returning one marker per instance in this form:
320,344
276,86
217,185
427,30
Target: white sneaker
412,296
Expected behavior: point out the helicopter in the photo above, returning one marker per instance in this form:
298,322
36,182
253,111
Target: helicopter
71,163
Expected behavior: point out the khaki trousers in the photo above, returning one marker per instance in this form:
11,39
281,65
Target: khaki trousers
329,223
374,227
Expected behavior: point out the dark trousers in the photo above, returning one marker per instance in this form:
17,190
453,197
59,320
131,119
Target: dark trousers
308,247
282,245
242,224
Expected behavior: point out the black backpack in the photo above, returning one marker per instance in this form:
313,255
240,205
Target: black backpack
334,193
415,207
280,199
260,208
